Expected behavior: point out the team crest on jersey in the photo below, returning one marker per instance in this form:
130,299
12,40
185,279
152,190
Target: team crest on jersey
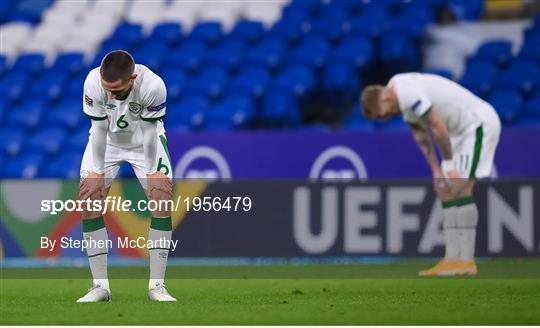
134,107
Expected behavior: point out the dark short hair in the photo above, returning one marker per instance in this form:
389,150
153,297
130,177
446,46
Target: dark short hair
117,65
370,101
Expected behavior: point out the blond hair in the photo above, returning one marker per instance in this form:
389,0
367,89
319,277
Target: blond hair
370,98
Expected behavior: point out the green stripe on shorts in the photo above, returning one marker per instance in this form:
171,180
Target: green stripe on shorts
477,151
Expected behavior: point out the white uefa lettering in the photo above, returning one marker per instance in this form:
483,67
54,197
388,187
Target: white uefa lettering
357,219
308,241
501,216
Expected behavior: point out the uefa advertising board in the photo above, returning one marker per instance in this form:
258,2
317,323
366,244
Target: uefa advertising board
278,218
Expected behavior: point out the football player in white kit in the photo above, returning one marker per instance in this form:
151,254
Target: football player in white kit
466,131
126,103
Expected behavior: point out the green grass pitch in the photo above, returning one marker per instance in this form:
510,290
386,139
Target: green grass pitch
505,292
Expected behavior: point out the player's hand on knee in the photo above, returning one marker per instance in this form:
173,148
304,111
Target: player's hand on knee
159,186
93,186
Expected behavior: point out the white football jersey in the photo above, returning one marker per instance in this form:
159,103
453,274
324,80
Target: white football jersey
146,101
458,108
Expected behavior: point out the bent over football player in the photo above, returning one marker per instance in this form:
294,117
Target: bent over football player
466,131
126,103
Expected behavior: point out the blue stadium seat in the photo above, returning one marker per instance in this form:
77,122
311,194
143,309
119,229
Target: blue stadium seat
6,7
531,50
532,107
355,51
247,31
312,51
190,112
150,54
108,46
169,33
130,33
28,114
295,13
175,79
507,103
498,51
13,84
297,80
3,65
49,86
228,54
310,7
11,140
466,9
329,25
233,112
47,140
25,166
399,52
77,142
342,85
367,26
251,81
31,63
520,75
269,53
289,30
36,7
208,83
280,110
67,114
75,87
3,110
378,10
413,20
209,32
69,62
357,121
189,56
66,166
353,8
479,77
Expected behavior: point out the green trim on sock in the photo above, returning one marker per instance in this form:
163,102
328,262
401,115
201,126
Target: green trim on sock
163,224
98,254
89,225
458,202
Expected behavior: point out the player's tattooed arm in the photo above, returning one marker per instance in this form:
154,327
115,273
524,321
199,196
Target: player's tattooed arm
425,143
440,134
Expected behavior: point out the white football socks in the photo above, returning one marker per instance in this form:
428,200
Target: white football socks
95,233
451,233
466,222
160,233
459,224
